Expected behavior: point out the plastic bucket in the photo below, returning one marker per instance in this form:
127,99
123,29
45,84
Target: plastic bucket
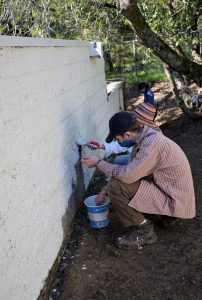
98,214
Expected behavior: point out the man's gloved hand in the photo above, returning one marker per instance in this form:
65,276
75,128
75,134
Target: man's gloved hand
94,145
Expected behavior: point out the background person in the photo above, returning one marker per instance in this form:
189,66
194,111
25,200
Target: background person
148,93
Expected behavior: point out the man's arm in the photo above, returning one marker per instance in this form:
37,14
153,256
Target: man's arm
142,165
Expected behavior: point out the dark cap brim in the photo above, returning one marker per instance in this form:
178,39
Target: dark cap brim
110,138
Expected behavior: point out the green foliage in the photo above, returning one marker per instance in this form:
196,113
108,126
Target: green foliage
68,19
143,76
174,21
132,78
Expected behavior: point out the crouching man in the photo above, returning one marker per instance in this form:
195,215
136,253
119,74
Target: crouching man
134,195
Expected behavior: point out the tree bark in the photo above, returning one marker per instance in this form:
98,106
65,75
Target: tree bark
108,59
183,95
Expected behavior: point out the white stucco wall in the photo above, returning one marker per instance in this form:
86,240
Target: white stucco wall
51,92
115,93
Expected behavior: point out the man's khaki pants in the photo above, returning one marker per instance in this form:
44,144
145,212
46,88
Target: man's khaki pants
120,195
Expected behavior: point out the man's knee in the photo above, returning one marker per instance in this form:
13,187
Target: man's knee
116,186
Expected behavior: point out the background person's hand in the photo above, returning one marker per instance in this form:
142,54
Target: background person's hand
94,145
90,161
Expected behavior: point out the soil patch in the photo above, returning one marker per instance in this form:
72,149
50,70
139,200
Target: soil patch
92,268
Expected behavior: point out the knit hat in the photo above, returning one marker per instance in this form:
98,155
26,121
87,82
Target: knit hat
145,114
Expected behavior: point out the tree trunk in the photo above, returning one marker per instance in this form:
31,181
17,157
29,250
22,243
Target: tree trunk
108,59
183,95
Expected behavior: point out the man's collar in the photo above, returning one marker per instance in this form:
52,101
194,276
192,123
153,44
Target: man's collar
142,134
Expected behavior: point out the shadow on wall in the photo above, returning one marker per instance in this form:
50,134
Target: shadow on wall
74,201
78,190
77,180
74,178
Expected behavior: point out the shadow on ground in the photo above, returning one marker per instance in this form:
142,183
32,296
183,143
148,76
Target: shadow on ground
92,268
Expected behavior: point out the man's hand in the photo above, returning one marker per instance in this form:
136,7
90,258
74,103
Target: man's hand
99,200
94,145
90,161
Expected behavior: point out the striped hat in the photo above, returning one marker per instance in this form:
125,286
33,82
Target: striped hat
145,114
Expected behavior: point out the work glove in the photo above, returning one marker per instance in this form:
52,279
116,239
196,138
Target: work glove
94,145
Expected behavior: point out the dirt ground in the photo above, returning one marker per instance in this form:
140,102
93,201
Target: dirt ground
93,268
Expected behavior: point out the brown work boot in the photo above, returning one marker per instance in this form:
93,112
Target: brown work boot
141,235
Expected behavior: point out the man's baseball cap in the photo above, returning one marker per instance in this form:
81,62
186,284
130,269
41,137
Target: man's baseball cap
119,124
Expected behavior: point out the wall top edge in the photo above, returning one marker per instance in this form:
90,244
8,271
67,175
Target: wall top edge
113,86
15,41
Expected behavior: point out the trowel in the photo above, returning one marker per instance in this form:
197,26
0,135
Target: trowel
82,143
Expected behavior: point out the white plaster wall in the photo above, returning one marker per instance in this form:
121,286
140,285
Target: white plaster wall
115,94
51,92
